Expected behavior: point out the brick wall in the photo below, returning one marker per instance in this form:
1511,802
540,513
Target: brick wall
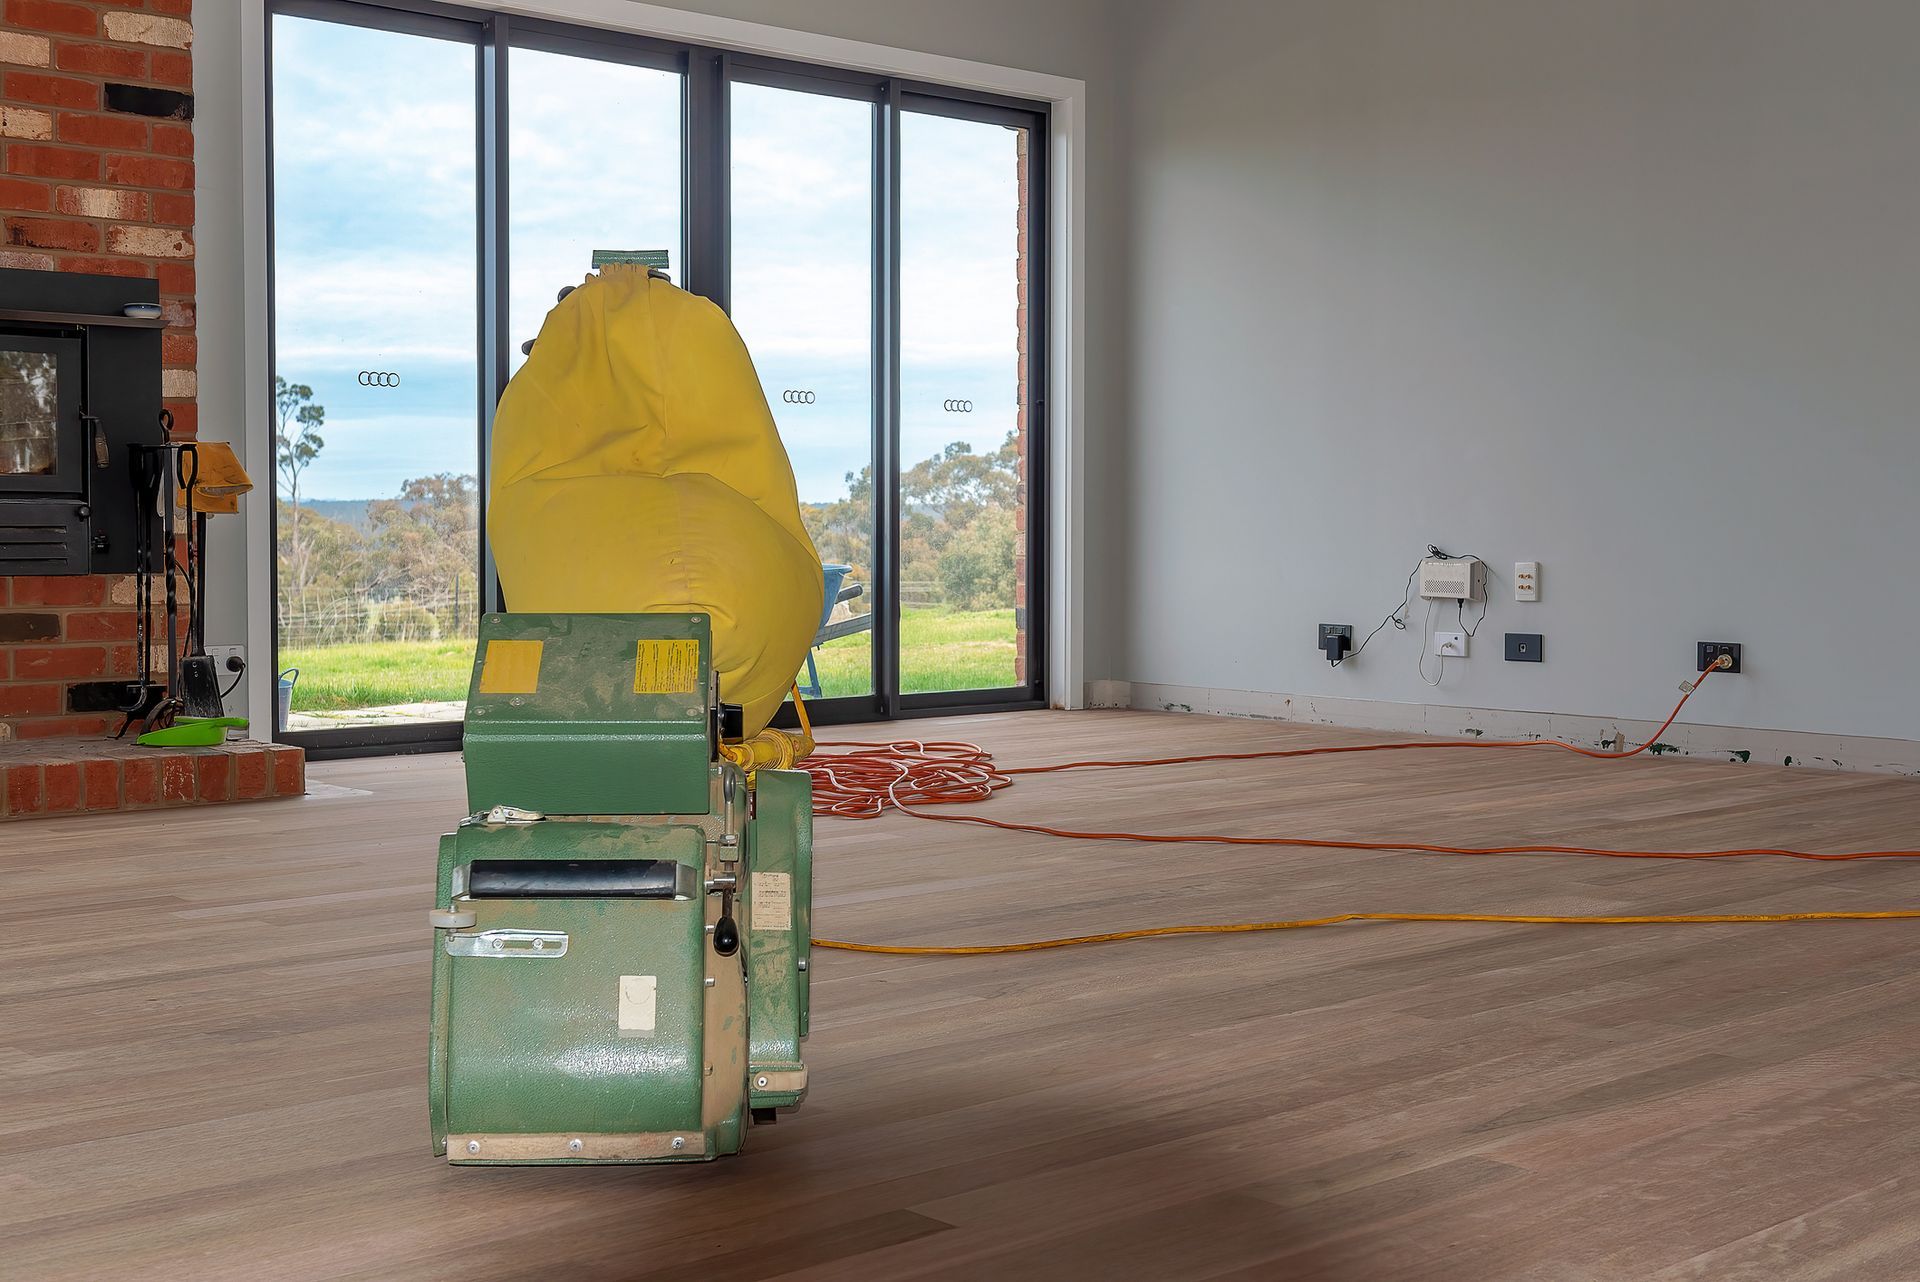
96,175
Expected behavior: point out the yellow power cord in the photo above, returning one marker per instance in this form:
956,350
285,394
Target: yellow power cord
1246,927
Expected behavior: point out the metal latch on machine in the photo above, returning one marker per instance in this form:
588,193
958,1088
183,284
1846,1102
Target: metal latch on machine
502,815
508,943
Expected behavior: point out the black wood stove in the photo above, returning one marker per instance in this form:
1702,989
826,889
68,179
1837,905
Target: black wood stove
79,391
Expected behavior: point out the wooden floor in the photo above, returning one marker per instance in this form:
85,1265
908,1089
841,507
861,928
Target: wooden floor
213,1036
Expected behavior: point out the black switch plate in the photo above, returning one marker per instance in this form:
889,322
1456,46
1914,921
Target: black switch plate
1705,652
1335,640
1525,647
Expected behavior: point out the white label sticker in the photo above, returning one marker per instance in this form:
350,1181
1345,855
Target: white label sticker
636,1003
773,901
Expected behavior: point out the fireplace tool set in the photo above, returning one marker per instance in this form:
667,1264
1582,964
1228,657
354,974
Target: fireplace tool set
184,477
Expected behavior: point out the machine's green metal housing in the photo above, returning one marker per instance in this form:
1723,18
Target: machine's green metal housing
584,740
600,1027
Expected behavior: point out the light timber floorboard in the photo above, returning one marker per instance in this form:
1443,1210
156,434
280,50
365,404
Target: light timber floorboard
213,1039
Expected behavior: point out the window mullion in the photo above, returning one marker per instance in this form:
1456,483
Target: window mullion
495,357
886,403
708,159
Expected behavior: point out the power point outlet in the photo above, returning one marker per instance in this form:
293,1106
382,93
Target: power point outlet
1451,645
228,660
1707,651
1336,640
1525,647
1526,580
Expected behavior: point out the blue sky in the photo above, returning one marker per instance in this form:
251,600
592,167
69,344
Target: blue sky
374,246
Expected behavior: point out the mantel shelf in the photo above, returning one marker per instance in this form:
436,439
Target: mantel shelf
81,318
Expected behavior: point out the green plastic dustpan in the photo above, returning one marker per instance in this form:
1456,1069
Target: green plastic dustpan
192,732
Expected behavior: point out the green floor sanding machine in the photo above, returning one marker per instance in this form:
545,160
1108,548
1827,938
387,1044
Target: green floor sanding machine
621,924
620,970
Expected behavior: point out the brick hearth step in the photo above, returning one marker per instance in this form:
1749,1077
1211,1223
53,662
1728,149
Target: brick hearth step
74,776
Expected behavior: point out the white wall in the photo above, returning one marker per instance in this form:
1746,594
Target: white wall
1631,287
1069,38
221,367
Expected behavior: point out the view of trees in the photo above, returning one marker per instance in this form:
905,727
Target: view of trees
296,444
402,568
957,535
398,569
405,572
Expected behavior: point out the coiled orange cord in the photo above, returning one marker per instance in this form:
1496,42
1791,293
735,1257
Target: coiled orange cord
860,779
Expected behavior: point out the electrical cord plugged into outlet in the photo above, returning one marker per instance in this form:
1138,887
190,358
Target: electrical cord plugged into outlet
1335,640
1709,651
230,658
1725,663
1398,617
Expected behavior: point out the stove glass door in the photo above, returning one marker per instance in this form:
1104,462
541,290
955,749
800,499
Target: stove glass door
40,428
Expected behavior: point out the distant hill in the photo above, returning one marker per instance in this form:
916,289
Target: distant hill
346,511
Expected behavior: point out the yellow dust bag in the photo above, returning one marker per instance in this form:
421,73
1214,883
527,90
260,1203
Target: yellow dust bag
636,469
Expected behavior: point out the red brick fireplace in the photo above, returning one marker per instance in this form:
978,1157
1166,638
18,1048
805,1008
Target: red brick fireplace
97,176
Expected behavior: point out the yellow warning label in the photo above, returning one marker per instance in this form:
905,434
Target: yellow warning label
667,667
511,667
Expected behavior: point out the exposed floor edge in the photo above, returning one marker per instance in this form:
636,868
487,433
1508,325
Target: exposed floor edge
1722,743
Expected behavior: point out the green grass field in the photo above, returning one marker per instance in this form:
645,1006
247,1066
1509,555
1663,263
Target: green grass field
377,674
940,650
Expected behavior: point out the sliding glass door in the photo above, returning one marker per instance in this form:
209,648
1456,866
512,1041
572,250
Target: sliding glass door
375,374
802,254
440,175
963,392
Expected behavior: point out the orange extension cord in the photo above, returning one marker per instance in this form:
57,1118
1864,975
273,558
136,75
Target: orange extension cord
1249,927
867,778
863,780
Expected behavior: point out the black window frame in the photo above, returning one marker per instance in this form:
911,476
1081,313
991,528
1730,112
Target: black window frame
708,72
